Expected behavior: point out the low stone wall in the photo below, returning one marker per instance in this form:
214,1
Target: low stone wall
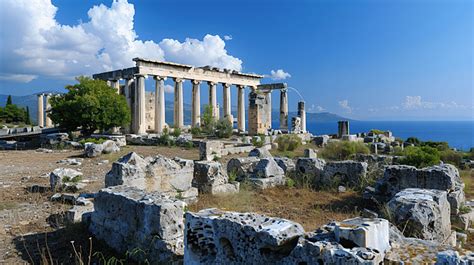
128,219
208,150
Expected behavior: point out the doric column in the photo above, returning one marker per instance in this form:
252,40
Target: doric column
226,99
269,108
178,103
284,109
213,98
302,115
241,108
40,110
140,100
159,104
115,84
49,123
127,91
196,104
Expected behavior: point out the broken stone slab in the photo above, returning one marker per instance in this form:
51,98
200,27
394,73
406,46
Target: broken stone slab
59,176
74,215
242,167
265,183
110,146
321,140
210,149
421,213
210,177
464,221
126,170
268,168
67,198
350,173
128,218
70,161
310,169
261,152
216,237
287,164
370,233
38,188
310,153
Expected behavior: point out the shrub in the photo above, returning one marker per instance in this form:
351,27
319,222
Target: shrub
413,140
420,156
377,131
196,131
165,140
258,141
176,132
288,142
223,128
232,175
451,157
92,140
343,150
290,183
208,120
441,146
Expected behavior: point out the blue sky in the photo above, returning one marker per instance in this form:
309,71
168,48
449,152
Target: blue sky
370,60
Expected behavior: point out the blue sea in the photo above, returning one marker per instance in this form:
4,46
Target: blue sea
458,134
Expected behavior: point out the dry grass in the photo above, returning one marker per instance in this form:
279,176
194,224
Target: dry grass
295,153
468,178
307,207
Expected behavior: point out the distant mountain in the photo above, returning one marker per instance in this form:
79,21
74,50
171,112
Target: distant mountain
32,102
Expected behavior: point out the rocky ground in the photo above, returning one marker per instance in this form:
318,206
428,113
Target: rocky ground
32,228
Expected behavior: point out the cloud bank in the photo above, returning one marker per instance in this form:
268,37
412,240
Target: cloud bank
38,45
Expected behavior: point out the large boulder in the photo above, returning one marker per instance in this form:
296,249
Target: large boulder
267,168
370,233
127,218
60,176
287,164
242,167
210,177
128,170
310,169
421,213
350,173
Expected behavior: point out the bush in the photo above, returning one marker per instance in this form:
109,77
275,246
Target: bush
451,157
196,131
290,183
208,120
90,105
223,128
441,146
165,139
420,156
176,132
92,140
377,131
413,140
288,142
343,150
258,141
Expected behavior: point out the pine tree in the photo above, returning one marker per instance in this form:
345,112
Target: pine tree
9,100
27,119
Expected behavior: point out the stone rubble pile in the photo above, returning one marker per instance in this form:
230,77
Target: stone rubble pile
94,150
65,179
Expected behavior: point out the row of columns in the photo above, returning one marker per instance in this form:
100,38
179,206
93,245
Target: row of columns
42,120
134,91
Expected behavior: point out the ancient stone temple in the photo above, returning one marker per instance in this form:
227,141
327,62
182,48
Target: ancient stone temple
43,118
133,88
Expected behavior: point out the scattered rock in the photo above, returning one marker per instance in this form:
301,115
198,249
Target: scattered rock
93,150
74,215
110,146
59,176
260,153
287,164
310,153
350,173
210,177
242,167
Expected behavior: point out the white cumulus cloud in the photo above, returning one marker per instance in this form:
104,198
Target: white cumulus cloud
227,37
416,102
34,43
344,104
279,74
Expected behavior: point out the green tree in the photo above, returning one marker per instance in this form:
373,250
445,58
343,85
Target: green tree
9,100
208,120
420,156
223,128
89,105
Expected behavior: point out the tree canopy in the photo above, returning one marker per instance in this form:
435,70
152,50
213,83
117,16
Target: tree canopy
11,113
89,105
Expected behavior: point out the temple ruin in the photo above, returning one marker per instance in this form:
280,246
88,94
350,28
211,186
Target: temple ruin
133,88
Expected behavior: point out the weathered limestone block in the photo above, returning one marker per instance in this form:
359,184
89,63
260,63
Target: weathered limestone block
260,153
350,173
287,164
216,237
152,174
127,218
310,153
210,149
370,233
110,146
267,168
422,213
128,170
452,257
242,167
93,150
311,169
54,138
321,140
74,215
60,176
210,177
265,183
443,177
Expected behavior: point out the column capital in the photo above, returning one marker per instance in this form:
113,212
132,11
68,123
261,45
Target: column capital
211,83
226,84
159,78
196,82
240,86
177,80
